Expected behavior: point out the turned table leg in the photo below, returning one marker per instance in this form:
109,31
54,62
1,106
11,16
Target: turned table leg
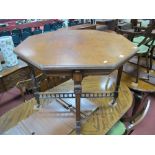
77,77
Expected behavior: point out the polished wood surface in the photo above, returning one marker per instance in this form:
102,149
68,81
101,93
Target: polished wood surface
146,84
68,50
9,76
141,86
131,68
83,27
55,119
80,27
9,70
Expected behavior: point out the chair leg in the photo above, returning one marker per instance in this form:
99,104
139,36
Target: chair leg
147,66
138,65
128,132
151,57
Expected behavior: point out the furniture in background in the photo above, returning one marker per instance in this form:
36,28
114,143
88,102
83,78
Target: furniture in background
109,24
80,27
47,28
5,33
143,39
125,24
9,76
3,25
17,32
139,109
25,25
128,124
83,27
25,35
27,29
38,31
16,39
73,22
17,36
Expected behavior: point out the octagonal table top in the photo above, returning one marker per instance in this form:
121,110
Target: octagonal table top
76,49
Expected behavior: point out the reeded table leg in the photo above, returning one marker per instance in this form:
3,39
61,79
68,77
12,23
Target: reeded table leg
77,77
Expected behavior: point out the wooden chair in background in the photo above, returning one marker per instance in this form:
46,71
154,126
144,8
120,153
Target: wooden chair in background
142,38
127,124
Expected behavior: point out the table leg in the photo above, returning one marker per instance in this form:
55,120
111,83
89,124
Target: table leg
119,75
35,86
77,77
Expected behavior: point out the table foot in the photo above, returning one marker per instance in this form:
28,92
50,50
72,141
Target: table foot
37,107
134,84
113,103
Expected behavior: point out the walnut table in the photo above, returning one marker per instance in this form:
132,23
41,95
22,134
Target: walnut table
76,53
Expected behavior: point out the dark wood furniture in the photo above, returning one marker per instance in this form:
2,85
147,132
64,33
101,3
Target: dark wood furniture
80,27
147,33
143,92
76,54
9,76
110,23
83,27
32,25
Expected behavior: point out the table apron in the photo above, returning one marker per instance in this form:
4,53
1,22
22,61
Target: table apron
83,72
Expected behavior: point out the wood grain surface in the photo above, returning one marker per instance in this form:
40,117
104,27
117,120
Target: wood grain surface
87,49
9,70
